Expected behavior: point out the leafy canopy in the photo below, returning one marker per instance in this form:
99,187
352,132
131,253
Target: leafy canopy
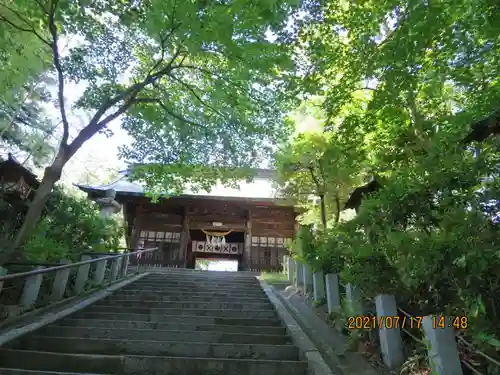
426,71
197,83
25,129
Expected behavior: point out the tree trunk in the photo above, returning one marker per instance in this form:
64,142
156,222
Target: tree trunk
323,210
337,211
51,176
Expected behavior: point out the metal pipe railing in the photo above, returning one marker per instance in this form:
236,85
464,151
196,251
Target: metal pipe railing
38,290
72,265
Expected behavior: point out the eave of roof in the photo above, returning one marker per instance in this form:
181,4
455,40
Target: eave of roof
124,188
29,176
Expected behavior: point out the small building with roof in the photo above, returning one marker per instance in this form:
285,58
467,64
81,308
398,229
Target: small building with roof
251,224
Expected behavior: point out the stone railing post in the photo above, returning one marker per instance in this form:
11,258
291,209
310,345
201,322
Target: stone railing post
60,282
124,269
354,300
333,293
291,269
308,278
3,272
31,289
391,343
285,264
441,345
299,276
100,271
82,275
115,269
319,286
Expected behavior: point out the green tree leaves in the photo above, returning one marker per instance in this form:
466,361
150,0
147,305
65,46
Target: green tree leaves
196,82
406,79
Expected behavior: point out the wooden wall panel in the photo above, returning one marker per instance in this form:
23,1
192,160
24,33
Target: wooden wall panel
160,222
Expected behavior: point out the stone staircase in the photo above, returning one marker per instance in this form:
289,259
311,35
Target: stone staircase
172,323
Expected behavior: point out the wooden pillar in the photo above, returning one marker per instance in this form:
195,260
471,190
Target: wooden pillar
130,218
184,240
136,233
246,259
295,224
126,229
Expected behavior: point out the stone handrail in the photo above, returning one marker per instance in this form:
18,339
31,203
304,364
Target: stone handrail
31,296
439,338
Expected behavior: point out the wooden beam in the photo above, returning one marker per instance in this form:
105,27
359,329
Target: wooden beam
247,249
184,238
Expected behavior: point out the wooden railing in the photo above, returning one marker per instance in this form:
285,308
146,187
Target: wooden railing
48,284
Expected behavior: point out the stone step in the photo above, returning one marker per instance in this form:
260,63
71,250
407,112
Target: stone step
12,371
262,314
190,292
180,297
205,287
211,283
201,288
188,335
162,318
160,272
190,281
156,348
187,304
145,365
145,325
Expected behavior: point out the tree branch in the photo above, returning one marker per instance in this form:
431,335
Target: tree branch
315,180
195,94
30,29
168,110
59,70
163,41
211,73
40,4
129,96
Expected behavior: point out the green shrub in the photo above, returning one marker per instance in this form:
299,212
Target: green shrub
70,226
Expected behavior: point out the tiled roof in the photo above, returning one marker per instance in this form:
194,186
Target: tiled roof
259,188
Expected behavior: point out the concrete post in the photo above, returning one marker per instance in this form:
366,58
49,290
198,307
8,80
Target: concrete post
333,292
308,279
100,270
124,270
83,275
299,276
291,269
3,272
354,300
319,286
441,345
31,289
391,343
60,282
115,269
